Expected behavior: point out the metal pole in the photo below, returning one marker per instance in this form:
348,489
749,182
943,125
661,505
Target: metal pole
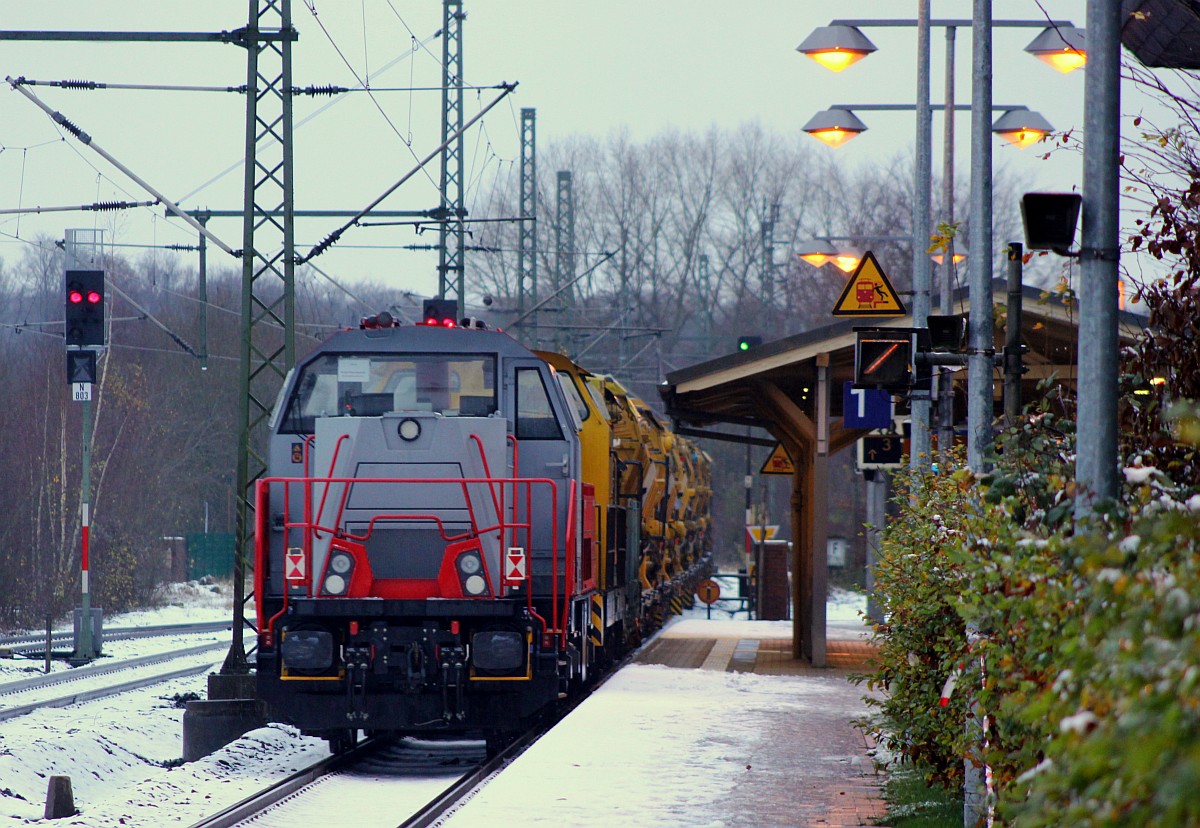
922,266
876,497
982,343
946,299
1012,334
1096,460
85,650
203,298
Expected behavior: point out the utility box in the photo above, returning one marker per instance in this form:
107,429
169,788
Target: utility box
835,551
97,627
774,587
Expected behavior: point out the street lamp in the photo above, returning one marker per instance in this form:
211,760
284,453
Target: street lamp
1022,128
841,44
1062,47
816,252
836,47
959,254
834,126
847,259
1019,125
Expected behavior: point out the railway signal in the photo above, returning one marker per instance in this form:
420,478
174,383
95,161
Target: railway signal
745,343
443,312
84,308
884,359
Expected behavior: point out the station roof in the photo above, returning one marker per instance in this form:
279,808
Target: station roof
730,389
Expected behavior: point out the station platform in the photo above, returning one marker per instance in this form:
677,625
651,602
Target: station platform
815,770
713,725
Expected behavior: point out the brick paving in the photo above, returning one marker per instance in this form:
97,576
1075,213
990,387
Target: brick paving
812,768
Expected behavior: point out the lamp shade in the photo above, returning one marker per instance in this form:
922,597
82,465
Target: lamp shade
1022,127
1063,47
836,47
816,252
847,259
834,126
960,254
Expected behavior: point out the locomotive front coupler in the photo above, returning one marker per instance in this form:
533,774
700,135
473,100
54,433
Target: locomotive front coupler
358,662
453,664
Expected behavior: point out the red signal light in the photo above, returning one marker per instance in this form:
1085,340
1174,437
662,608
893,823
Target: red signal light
74,296
93,297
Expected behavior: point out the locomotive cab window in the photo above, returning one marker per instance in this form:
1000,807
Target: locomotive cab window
535,416
370,385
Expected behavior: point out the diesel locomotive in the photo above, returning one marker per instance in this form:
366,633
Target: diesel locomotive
457,532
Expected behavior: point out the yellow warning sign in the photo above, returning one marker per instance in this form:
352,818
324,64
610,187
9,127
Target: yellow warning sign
869,293
780,462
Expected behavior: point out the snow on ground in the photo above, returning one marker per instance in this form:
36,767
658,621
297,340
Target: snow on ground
662,746
123,753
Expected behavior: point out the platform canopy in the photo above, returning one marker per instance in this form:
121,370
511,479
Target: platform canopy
791,388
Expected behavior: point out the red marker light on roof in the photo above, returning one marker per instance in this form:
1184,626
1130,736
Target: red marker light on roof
75,297
447,323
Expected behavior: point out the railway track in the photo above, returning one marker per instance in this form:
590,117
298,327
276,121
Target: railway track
407,776
84,675
367,771
25,644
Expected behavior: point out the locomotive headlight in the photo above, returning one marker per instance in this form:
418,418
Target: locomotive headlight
409,430
469,564
335,584
341,564
475,584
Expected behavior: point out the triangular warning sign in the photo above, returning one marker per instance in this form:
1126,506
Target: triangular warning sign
869,293
780,462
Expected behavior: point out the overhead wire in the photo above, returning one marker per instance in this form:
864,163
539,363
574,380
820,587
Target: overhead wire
365,84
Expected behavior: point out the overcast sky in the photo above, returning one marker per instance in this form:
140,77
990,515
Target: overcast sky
587,67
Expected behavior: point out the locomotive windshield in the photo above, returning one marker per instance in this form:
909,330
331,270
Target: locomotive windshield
368,385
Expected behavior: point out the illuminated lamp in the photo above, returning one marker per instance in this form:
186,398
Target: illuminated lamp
834,126
816,252
960,254
847,259
1022,127
1062,47
836,47
75,297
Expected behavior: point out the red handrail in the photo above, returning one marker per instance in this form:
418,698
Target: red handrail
506,525
568,562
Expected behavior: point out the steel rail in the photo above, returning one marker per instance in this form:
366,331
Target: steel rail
103,669
20,643
278,791
102,692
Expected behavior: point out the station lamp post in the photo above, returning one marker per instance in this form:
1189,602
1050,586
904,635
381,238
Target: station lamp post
842,44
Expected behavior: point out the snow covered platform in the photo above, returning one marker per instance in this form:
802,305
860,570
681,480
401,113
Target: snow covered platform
714,725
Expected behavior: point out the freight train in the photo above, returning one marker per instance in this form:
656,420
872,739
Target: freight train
456,533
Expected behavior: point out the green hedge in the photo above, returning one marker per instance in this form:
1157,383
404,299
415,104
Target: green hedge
1086,668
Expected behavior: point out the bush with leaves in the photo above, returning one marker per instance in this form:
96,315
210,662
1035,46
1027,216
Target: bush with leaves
1122,715
921,637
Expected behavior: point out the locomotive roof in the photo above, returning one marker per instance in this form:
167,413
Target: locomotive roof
421,339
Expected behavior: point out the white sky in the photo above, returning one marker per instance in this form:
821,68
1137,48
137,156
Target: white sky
587,67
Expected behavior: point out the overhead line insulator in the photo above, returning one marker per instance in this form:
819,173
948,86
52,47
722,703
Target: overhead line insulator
328,89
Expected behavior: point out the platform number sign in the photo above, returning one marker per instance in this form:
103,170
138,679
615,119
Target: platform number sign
865,407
